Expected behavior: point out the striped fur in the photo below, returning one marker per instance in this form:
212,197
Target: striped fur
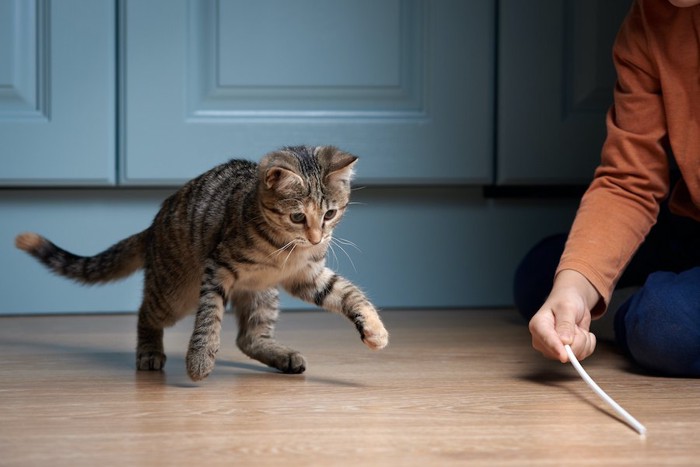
234,235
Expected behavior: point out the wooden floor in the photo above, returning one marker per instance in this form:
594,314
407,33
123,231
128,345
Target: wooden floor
452,388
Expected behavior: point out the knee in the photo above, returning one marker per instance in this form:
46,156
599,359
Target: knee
535,273
662,324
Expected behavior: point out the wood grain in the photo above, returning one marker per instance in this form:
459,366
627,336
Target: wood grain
452,388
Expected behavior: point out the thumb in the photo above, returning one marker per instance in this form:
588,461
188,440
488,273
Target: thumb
565,329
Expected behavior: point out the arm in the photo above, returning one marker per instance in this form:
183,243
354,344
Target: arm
621,204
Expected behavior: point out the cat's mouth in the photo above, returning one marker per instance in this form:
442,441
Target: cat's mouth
306,242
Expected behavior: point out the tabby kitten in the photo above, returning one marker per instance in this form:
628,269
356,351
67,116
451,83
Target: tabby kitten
234,234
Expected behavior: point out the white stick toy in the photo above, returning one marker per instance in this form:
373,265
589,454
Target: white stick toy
622,412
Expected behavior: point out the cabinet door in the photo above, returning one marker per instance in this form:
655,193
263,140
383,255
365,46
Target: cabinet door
555,85
405,84
57,88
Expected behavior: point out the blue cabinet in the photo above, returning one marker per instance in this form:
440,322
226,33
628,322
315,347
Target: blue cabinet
57,92
408,85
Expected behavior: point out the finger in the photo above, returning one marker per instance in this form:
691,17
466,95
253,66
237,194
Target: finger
584,344
566,328
545,339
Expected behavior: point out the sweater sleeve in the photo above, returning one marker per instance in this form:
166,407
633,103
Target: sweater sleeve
622,202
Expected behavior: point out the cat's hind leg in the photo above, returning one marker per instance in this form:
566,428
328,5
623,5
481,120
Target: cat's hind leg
164,294
155,314
257,314
149,347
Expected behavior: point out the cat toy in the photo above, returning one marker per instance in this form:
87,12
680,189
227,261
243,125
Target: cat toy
641,429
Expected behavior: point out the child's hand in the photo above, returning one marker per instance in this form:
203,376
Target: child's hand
565,318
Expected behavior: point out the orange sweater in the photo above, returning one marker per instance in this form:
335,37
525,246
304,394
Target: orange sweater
656,106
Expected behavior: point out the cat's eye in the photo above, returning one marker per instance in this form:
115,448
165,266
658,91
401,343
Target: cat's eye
330,214
298,217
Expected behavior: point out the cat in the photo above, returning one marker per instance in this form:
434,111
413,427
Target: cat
234,234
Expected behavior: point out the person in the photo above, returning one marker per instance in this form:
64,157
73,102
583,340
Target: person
649,172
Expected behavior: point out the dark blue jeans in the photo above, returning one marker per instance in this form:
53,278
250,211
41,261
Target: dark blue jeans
659,326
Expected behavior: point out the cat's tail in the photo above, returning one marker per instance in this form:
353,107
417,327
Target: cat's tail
116,262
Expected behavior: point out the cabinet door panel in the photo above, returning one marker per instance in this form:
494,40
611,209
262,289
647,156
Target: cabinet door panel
57,86
405,84
556,79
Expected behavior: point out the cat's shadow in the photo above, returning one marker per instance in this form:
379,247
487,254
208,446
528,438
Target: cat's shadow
95,358
247,366
259,368
251,370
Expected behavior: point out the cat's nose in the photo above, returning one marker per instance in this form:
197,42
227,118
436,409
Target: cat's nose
314,236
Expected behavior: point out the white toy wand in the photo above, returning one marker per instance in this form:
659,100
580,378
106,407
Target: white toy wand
622,412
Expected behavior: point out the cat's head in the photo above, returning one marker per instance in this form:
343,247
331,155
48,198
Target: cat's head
304,191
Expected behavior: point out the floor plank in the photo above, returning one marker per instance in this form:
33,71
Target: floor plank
453,388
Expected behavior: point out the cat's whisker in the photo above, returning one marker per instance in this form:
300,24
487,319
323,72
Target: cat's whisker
338,244
347,242
284,263
280,250
335,257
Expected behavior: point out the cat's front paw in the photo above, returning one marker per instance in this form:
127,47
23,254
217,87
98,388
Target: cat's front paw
296,364
199,364
374,335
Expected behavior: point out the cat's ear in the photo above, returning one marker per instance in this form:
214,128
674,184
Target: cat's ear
340,164
343,175
282,179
